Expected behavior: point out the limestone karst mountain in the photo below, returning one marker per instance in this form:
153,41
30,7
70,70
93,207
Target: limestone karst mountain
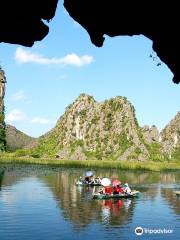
170,138
105,130
101,130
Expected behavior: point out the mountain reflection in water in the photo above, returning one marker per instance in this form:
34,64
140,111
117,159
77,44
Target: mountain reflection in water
112,218
81,209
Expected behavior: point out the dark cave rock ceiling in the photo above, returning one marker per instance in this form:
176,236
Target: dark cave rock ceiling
22,22
157,21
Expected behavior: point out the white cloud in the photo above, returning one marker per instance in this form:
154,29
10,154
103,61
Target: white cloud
25,56
15,115
18,95
40,120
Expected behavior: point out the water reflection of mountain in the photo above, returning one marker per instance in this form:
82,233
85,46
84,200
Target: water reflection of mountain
169,193
170,178
76,202
11,177
15,173
173,201
78,206
146,182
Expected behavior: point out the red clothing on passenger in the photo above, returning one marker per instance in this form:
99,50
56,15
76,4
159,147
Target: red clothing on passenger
118,190
108,190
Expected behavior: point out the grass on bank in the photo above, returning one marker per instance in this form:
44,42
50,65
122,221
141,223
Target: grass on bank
131,165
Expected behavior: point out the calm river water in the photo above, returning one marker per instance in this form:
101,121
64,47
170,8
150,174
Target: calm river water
42,203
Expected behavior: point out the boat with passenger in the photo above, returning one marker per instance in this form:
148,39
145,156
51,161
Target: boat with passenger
89,180
132,194
114,189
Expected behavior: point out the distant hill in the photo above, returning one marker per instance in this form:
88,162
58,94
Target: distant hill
105,130
18,140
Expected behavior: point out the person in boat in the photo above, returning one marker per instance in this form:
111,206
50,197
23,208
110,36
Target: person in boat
87,180
126,188
117,189
97,180
92,180
106,190
102,190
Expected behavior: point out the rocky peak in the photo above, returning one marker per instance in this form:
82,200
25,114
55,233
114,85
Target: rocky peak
170,135
83,97
89,129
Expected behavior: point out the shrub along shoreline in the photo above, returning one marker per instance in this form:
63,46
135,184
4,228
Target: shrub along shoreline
124,165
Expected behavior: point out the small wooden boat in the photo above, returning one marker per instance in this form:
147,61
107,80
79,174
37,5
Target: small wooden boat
84,183
122,195
177,193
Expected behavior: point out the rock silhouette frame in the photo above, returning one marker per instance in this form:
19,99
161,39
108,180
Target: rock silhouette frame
22,22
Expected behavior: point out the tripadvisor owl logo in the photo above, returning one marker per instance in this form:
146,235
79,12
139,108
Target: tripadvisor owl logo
139,231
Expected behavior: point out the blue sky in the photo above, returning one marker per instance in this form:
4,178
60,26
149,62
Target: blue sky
43,80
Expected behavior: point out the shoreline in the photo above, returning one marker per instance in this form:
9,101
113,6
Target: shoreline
131,165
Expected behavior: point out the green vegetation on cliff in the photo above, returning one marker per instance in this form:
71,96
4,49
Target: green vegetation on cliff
92,130
2,132
109,130
105,131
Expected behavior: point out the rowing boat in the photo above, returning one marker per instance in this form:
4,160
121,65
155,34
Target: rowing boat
83,183
122,195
